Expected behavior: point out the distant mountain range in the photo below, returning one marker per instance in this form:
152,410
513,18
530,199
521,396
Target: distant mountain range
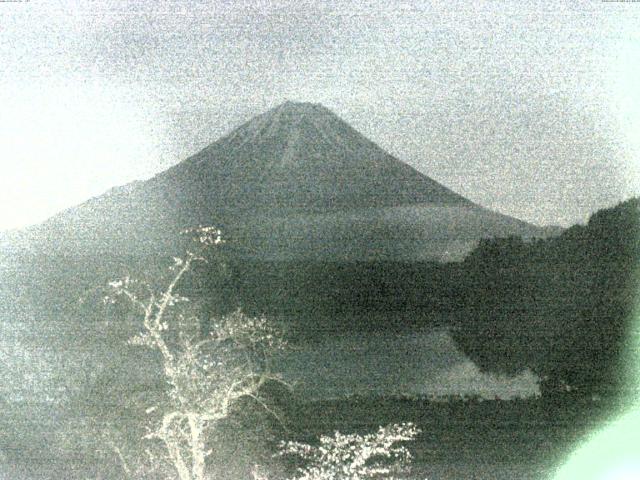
296,182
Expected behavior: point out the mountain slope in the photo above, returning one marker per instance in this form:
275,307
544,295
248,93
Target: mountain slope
302,156
296,181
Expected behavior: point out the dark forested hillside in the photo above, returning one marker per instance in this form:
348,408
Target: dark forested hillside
561,306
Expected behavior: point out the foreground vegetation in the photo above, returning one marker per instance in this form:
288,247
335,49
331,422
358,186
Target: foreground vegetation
560,306
526,439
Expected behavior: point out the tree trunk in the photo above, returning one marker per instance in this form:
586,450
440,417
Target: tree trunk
198,453
178,461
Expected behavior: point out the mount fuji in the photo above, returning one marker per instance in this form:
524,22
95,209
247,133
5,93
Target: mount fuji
296,182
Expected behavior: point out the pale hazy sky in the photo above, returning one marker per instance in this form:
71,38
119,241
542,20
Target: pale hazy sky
530,108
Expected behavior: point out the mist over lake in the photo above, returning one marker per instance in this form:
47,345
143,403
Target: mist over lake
421,364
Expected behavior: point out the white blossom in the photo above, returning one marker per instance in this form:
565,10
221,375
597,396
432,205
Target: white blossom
205,376
354,456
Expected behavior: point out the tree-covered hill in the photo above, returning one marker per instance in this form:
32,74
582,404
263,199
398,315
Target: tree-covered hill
561,306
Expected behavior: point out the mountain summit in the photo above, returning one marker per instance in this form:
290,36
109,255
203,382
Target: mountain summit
294,182
301,156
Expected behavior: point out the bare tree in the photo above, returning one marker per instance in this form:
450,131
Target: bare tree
206,374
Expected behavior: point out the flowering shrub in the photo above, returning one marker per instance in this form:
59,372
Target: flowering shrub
355,457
